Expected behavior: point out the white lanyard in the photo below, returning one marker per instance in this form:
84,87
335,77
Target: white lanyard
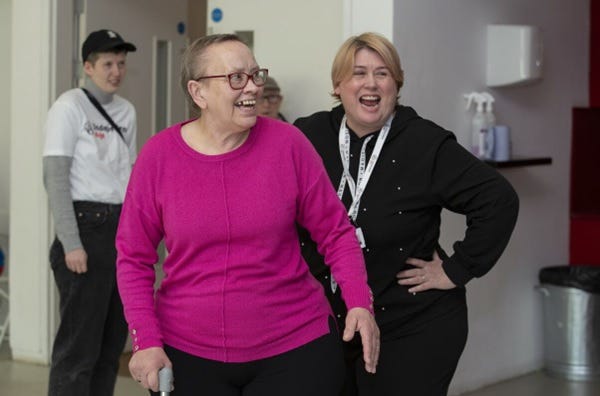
364,169
362,178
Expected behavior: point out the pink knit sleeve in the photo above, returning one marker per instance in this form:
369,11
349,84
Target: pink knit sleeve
138,236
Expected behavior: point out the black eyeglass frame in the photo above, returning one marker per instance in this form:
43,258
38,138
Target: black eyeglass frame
247,76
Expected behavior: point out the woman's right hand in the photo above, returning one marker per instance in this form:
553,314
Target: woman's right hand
425,275
360,320
144,366
76,261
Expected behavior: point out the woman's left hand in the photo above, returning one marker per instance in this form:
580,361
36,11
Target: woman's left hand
428,275
362,321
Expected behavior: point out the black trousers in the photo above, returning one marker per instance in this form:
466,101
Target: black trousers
92,330
420,362
315,369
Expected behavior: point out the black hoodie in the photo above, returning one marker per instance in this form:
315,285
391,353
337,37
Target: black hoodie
421,170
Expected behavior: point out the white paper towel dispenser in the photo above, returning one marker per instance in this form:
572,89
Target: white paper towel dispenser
514,55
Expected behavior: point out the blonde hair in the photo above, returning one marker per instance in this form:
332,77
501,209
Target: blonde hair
343,63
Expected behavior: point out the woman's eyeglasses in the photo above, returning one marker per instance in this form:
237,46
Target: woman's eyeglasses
239,80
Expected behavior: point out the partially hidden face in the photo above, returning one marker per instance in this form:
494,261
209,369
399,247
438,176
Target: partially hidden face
369,94
269,103
231,109
108,71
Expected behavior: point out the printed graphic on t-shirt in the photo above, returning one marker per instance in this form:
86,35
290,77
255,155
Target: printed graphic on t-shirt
100,132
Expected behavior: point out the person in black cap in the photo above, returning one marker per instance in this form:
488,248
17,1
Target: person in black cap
89,149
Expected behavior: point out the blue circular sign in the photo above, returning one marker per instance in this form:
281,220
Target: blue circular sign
216,14
181,28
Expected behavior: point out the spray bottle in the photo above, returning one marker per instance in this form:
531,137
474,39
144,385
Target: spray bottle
478,124
490,120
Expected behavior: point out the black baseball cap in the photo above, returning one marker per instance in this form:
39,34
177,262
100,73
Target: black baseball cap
104,41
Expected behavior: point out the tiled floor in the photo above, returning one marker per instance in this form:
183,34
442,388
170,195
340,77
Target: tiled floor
21,379
539,384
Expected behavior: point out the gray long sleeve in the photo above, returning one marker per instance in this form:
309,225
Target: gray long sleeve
56,180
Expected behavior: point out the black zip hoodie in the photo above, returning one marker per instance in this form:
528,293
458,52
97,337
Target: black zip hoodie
421,170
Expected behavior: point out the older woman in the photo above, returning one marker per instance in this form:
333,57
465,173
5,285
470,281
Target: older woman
238,312
395,172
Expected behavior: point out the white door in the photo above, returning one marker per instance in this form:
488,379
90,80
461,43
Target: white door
158,30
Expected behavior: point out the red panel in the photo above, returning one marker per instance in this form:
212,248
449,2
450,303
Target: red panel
585,239
585,187
585,162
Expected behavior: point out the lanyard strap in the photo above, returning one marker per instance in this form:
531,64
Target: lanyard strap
98,106
364,169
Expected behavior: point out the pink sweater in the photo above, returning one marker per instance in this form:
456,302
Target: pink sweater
236,287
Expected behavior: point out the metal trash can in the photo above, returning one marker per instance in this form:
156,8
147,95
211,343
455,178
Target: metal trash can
571,311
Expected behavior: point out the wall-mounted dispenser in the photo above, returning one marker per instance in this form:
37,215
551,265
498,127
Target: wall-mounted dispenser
514,55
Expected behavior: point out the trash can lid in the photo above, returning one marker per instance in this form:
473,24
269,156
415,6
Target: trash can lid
579,276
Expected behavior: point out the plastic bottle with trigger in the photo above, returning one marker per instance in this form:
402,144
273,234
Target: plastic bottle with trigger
490,120
479,126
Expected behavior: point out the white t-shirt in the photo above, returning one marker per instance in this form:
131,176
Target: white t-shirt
101,159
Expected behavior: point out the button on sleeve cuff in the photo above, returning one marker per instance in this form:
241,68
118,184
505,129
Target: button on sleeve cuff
139,341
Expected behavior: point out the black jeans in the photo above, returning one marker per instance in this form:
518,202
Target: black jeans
92,331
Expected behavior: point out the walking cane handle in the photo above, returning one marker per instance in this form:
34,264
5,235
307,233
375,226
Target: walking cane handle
165,380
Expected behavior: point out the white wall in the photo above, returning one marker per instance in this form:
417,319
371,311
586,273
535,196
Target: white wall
295,41
5,45
361,16
442,47
30,291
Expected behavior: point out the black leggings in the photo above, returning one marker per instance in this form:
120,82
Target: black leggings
315,369
419,363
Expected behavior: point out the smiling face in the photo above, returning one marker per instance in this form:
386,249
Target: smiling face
228,109
369,93
107,71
